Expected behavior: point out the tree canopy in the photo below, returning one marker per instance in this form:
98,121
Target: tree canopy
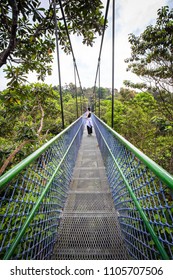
152,59
27,33
30,115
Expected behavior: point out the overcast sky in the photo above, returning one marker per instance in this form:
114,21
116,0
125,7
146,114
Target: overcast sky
132,16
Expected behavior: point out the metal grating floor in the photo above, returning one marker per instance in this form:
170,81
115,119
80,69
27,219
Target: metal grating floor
89,202
89,227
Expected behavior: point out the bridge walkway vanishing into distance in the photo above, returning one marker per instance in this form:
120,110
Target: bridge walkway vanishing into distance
86,197
89,228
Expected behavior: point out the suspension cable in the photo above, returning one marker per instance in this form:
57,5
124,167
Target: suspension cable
74,60
113,58
58,62
77,115
101,45
99,89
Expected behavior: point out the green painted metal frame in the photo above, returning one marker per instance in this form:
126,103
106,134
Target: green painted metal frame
163,175
159,171
8,176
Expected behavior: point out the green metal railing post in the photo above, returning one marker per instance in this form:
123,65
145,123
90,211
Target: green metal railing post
9,175
36,206
161,173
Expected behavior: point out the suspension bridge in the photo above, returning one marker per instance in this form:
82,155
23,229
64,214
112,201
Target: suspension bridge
80,197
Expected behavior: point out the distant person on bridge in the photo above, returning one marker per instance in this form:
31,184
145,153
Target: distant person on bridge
89,121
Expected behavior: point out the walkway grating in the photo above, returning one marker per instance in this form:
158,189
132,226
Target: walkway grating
89,227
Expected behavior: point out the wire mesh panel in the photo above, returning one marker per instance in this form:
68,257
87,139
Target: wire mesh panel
89,228
32,201
142,193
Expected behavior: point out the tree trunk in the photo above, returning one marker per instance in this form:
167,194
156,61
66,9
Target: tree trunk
11,156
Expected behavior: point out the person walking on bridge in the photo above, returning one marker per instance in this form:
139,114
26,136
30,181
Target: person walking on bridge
89,121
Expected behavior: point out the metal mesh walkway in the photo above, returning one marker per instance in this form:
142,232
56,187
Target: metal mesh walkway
89,227
34,192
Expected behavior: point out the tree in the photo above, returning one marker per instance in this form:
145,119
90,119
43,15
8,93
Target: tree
152,59
137,117
102,93
27,33
29,117
126,94
136,124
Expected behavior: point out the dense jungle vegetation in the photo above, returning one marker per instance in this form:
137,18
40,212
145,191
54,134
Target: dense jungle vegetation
31,114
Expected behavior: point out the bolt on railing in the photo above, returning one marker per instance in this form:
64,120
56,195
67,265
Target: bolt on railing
32,196
143,195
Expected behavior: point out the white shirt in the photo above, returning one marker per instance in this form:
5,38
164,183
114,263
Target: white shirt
88,120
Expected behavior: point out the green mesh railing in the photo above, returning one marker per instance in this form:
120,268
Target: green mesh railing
143,195
32,196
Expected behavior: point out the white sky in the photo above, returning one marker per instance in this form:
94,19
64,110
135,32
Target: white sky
132,16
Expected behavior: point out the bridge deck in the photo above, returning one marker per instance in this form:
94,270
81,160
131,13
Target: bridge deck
89,227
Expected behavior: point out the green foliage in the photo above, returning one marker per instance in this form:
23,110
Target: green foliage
150,127
126,94
102,93
31,115
15,218
85,18
27,34
137,116
151,59
151,51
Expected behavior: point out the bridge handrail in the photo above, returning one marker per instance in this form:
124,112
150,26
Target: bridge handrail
40,189
10,174
163,175
142,194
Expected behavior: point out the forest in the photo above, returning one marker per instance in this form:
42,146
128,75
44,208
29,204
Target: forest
34,193
30,114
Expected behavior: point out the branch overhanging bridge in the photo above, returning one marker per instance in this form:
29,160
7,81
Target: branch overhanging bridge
80,197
